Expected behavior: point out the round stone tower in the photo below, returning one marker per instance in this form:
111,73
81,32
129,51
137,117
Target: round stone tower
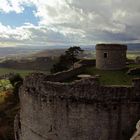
110,56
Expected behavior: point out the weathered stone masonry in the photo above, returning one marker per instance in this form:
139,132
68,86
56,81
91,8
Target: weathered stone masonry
110,56
81,110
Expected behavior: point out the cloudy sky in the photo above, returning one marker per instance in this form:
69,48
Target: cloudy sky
68,22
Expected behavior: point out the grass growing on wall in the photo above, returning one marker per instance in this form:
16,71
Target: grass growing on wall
113,77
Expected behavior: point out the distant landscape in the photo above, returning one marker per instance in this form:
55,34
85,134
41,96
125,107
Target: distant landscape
26,60
24,51
69,70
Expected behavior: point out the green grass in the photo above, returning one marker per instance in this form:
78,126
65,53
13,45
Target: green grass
107,77
134,66
23,73
133,54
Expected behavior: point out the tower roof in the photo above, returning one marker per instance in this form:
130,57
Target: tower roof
111,47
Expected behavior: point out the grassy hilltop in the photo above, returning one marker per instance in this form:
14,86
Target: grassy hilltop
113,77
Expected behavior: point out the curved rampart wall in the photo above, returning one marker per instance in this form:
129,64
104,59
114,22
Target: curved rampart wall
82,110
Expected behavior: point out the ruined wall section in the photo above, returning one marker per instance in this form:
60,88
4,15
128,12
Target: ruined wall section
82,110
79,68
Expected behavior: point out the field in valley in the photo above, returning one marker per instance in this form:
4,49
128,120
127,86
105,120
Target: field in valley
23,73
133,54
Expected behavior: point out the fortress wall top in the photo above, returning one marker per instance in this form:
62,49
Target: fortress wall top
85,89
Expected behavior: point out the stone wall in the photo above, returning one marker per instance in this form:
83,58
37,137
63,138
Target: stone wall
79,68
65,75
115,59
81,110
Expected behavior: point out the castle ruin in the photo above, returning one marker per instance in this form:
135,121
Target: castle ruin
80,110
51,109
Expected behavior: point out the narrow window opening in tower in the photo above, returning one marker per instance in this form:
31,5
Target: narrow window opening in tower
105,54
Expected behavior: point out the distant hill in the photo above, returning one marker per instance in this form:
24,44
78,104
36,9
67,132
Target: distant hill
88,53
49,53
40,63
40,51
15,51
134,47
131,47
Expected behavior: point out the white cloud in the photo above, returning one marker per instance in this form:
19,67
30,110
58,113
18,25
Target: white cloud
75,21
17,34
84,18
11,5
30,34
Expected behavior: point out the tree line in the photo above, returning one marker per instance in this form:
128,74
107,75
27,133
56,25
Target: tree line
67,59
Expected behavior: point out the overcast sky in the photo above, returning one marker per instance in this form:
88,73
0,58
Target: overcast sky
68,22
